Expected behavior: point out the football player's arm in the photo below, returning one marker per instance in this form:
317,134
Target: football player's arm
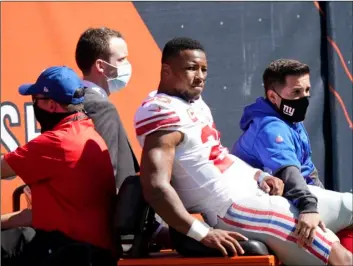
6,170
156,168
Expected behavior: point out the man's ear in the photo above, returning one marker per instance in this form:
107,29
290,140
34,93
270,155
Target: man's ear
271,96
98,65
166,70
52,106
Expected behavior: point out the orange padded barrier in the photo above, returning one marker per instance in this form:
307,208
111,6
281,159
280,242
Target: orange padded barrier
173,258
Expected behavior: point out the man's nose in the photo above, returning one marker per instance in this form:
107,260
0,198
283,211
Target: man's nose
200,75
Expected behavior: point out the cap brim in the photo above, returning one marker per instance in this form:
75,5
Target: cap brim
26,89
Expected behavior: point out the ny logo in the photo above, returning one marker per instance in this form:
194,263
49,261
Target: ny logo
288,110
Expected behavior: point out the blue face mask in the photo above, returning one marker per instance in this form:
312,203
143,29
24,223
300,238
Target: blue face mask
122,78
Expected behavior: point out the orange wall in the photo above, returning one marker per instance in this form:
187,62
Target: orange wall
40,34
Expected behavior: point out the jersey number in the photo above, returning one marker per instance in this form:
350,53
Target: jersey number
218,153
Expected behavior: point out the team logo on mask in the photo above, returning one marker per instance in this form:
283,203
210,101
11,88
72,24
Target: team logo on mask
293,110
287,110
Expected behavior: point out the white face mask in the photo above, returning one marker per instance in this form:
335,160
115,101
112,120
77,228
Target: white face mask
122,77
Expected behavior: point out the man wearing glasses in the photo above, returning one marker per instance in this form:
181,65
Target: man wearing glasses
70,175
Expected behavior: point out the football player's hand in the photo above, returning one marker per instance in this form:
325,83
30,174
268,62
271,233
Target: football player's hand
306,228
272,185
223,241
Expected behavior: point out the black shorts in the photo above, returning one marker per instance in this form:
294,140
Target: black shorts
51,248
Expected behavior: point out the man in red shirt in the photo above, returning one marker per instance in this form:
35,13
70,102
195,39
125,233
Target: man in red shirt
68,170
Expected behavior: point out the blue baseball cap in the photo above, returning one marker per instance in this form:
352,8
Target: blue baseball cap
58,83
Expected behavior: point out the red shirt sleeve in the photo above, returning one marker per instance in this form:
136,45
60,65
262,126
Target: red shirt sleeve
37,159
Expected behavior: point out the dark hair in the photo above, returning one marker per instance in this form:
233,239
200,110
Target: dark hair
75,107
80,92
176,45
92,45
278,70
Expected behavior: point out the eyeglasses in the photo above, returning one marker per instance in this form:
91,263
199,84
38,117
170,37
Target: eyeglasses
35,99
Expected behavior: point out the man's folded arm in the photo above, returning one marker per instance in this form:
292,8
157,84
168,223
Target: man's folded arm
276,150
296,190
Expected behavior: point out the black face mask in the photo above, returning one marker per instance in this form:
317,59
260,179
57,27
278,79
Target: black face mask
46,119
294,110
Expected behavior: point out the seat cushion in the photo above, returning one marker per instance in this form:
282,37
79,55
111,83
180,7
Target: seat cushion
129,206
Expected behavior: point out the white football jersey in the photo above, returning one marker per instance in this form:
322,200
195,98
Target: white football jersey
204,173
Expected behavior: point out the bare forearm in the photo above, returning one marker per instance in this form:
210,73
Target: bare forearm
6,170
21,218
166,202
156,169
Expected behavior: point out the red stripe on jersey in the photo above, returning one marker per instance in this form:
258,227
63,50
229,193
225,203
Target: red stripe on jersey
157,124
147,101
153,117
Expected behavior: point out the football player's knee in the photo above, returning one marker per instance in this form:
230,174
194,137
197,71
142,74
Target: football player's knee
329,235
339,255
347,205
